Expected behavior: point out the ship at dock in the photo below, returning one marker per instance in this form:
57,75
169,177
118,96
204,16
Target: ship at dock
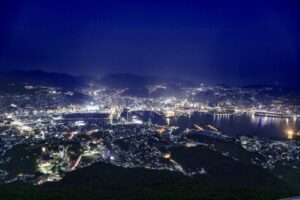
271,114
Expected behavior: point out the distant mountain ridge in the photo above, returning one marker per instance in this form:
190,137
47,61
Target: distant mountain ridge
136,81
117,80
39,77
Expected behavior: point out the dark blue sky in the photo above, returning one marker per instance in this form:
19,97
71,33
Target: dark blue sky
233,42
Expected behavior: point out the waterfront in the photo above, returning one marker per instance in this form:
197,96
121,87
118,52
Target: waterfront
244,124
233,125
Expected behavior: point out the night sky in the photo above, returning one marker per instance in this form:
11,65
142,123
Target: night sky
232,42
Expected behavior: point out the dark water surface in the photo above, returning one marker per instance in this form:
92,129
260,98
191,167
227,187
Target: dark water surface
233,125
244,124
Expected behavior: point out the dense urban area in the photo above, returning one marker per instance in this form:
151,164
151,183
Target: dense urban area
150,100
47,132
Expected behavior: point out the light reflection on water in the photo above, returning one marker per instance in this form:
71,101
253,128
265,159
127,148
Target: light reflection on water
266,121
233,125
244,124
